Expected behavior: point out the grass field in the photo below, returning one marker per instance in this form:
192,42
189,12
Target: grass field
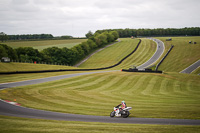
19,125
40,45
5,78
197,71
168,95
151,95
12,67
115,53
182,55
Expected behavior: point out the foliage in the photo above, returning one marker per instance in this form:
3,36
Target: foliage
3,37
3,52
65,55
191,31
6,51
66,37
28,54
30,36
89,34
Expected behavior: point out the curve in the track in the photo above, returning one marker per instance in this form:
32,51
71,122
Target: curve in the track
12,110
159,51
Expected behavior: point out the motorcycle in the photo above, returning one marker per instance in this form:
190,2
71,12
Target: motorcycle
119,112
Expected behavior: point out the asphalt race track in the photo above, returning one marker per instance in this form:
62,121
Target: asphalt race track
12,110
156,56
192,67
42,80
18,111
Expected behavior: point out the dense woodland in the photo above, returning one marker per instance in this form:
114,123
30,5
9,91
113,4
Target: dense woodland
60,55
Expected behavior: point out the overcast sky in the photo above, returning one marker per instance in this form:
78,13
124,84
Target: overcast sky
77,17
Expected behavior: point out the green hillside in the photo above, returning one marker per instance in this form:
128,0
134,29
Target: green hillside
118,51
182,55
150,95
13,67
167,95
40,45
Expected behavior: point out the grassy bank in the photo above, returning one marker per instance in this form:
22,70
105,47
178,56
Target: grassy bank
40,45
115,53
19,125
151,95
182,55
5,78
13,67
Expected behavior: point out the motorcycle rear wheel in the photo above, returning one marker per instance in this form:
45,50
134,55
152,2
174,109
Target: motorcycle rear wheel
126,114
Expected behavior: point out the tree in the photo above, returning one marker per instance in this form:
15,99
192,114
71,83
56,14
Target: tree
110,37
85,47
92,44
3,52
29,54
89,34
115,34
66,37
11,53
78,53
3,37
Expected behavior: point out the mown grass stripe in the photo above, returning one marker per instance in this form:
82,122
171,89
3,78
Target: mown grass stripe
150,95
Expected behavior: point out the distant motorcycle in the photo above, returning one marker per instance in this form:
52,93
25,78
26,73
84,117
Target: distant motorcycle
119,112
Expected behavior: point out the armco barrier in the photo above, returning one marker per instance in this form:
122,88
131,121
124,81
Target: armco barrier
164,57
145,70
44,71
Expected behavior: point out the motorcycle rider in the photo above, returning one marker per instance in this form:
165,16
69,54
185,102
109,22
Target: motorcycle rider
123,106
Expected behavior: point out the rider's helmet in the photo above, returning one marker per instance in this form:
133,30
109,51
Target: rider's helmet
123,102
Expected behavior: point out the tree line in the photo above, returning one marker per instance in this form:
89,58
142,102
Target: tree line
30,36
187,31
4,37
60,55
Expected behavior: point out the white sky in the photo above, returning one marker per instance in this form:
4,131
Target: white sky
77,17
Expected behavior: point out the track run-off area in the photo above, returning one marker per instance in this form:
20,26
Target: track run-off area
97,92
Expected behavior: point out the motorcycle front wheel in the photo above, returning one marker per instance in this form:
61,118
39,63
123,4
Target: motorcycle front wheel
112,114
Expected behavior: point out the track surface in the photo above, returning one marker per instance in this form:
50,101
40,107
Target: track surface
156,56
192,67
42,80
13,110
